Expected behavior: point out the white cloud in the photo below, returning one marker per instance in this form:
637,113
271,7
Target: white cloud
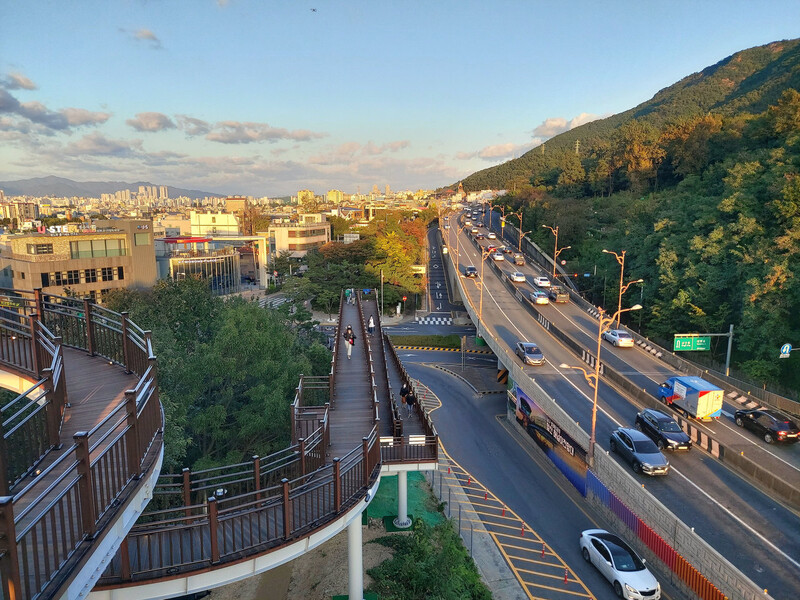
498,152
151,121
80,116
96,144
146,35
192,126
554,125
236,132
17,81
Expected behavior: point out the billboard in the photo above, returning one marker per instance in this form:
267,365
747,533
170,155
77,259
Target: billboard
560,448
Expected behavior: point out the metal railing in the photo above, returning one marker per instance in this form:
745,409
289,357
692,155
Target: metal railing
43,527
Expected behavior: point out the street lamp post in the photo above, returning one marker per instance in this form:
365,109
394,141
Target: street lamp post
622,287
556,249
603,326
522,235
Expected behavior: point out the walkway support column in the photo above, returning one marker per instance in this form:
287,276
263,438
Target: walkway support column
402,521
355,561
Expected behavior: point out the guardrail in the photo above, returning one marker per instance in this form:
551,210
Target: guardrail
724,576
375,404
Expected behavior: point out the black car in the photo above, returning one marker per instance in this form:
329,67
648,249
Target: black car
663,430
769,424
471,271
480,236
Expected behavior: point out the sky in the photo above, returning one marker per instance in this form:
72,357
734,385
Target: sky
265,98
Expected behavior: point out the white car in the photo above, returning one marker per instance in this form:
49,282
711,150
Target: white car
541,282
620,565
618,337
517,277
498,256
474,230
468,223
539,297
491,235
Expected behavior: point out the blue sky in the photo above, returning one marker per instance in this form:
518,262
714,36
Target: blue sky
268,97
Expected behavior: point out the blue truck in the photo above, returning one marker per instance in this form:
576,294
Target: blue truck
692,395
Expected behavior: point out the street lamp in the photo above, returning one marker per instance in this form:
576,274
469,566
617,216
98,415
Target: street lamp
522,235
556,249
594,378
622,288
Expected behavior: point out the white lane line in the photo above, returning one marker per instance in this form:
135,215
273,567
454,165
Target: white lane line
739,521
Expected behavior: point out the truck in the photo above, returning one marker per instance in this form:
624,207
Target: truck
558,294
692,395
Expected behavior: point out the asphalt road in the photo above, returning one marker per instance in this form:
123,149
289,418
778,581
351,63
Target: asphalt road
472,431
754,532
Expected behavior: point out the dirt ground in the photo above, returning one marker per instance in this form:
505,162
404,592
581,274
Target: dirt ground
317,575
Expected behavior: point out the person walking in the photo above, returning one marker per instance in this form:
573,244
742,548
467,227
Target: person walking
411,401
349,340
371,325
404,389
347,293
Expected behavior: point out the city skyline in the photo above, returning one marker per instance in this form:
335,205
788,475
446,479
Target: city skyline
239,97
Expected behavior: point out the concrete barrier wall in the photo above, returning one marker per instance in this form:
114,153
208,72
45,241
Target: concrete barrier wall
695,550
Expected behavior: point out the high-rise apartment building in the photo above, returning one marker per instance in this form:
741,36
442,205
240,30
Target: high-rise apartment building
335,197
163,193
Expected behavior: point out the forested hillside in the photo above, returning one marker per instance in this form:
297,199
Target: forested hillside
701,187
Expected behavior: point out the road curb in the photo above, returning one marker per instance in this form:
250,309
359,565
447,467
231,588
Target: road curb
435,349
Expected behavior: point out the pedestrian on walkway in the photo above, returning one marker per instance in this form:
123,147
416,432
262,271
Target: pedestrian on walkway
371,325
411,401
347,293
349,340
404,389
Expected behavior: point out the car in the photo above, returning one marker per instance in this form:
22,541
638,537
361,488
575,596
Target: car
618,337
468,223
471,271
498,256
480,223
479,236
539,297
541,282
492,235
769,424
474,230
506,250
491,248
558,294
519,260
618,563
529,353
639,450
517,277
447,225
663,430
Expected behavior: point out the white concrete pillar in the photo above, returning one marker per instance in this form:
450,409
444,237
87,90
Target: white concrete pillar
355,561
402,521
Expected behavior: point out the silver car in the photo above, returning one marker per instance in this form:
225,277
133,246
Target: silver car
639,450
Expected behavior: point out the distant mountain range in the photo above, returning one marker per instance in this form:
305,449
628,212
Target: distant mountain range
60,188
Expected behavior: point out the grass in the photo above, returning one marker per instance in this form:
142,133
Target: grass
427,341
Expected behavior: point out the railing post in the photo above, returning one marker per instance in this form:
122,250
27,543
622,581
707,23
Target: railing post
37,299
125,343
213,521
365,459
85,487
293,425
337,485
33,322
125,560
287,510
302,442
402,448
187,489
3,464
87,314
9,561
133,444
53,413
326,436
256,475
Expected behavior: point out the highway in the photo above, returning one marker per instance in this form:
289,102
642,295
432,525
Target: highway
754,532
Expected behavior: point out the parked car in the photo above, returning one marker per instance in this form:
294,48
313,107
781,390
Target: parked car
618,563
471,271
492,235
539,297
519,260
541,282
769,424
639,450
498,256
529,353
663,430
517,277
618,337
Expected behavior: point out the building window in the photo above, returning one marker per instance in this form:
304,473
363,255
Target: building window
40,248
73,277
141,239
45,279
90,275
120,273
97,248
107,273
22,274
58,278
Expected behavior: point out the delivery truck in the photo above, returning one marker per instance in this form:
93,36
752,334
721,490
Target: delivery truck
694,396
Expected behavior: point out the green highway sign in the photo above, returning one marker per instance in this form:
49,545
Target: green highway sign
688,341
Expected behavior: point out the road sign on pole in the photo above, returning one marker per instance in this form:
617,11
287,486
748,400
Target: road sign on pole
691,341
786,350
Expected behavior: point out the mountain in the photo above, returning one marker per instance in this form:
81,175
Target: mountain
60,187
746,82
